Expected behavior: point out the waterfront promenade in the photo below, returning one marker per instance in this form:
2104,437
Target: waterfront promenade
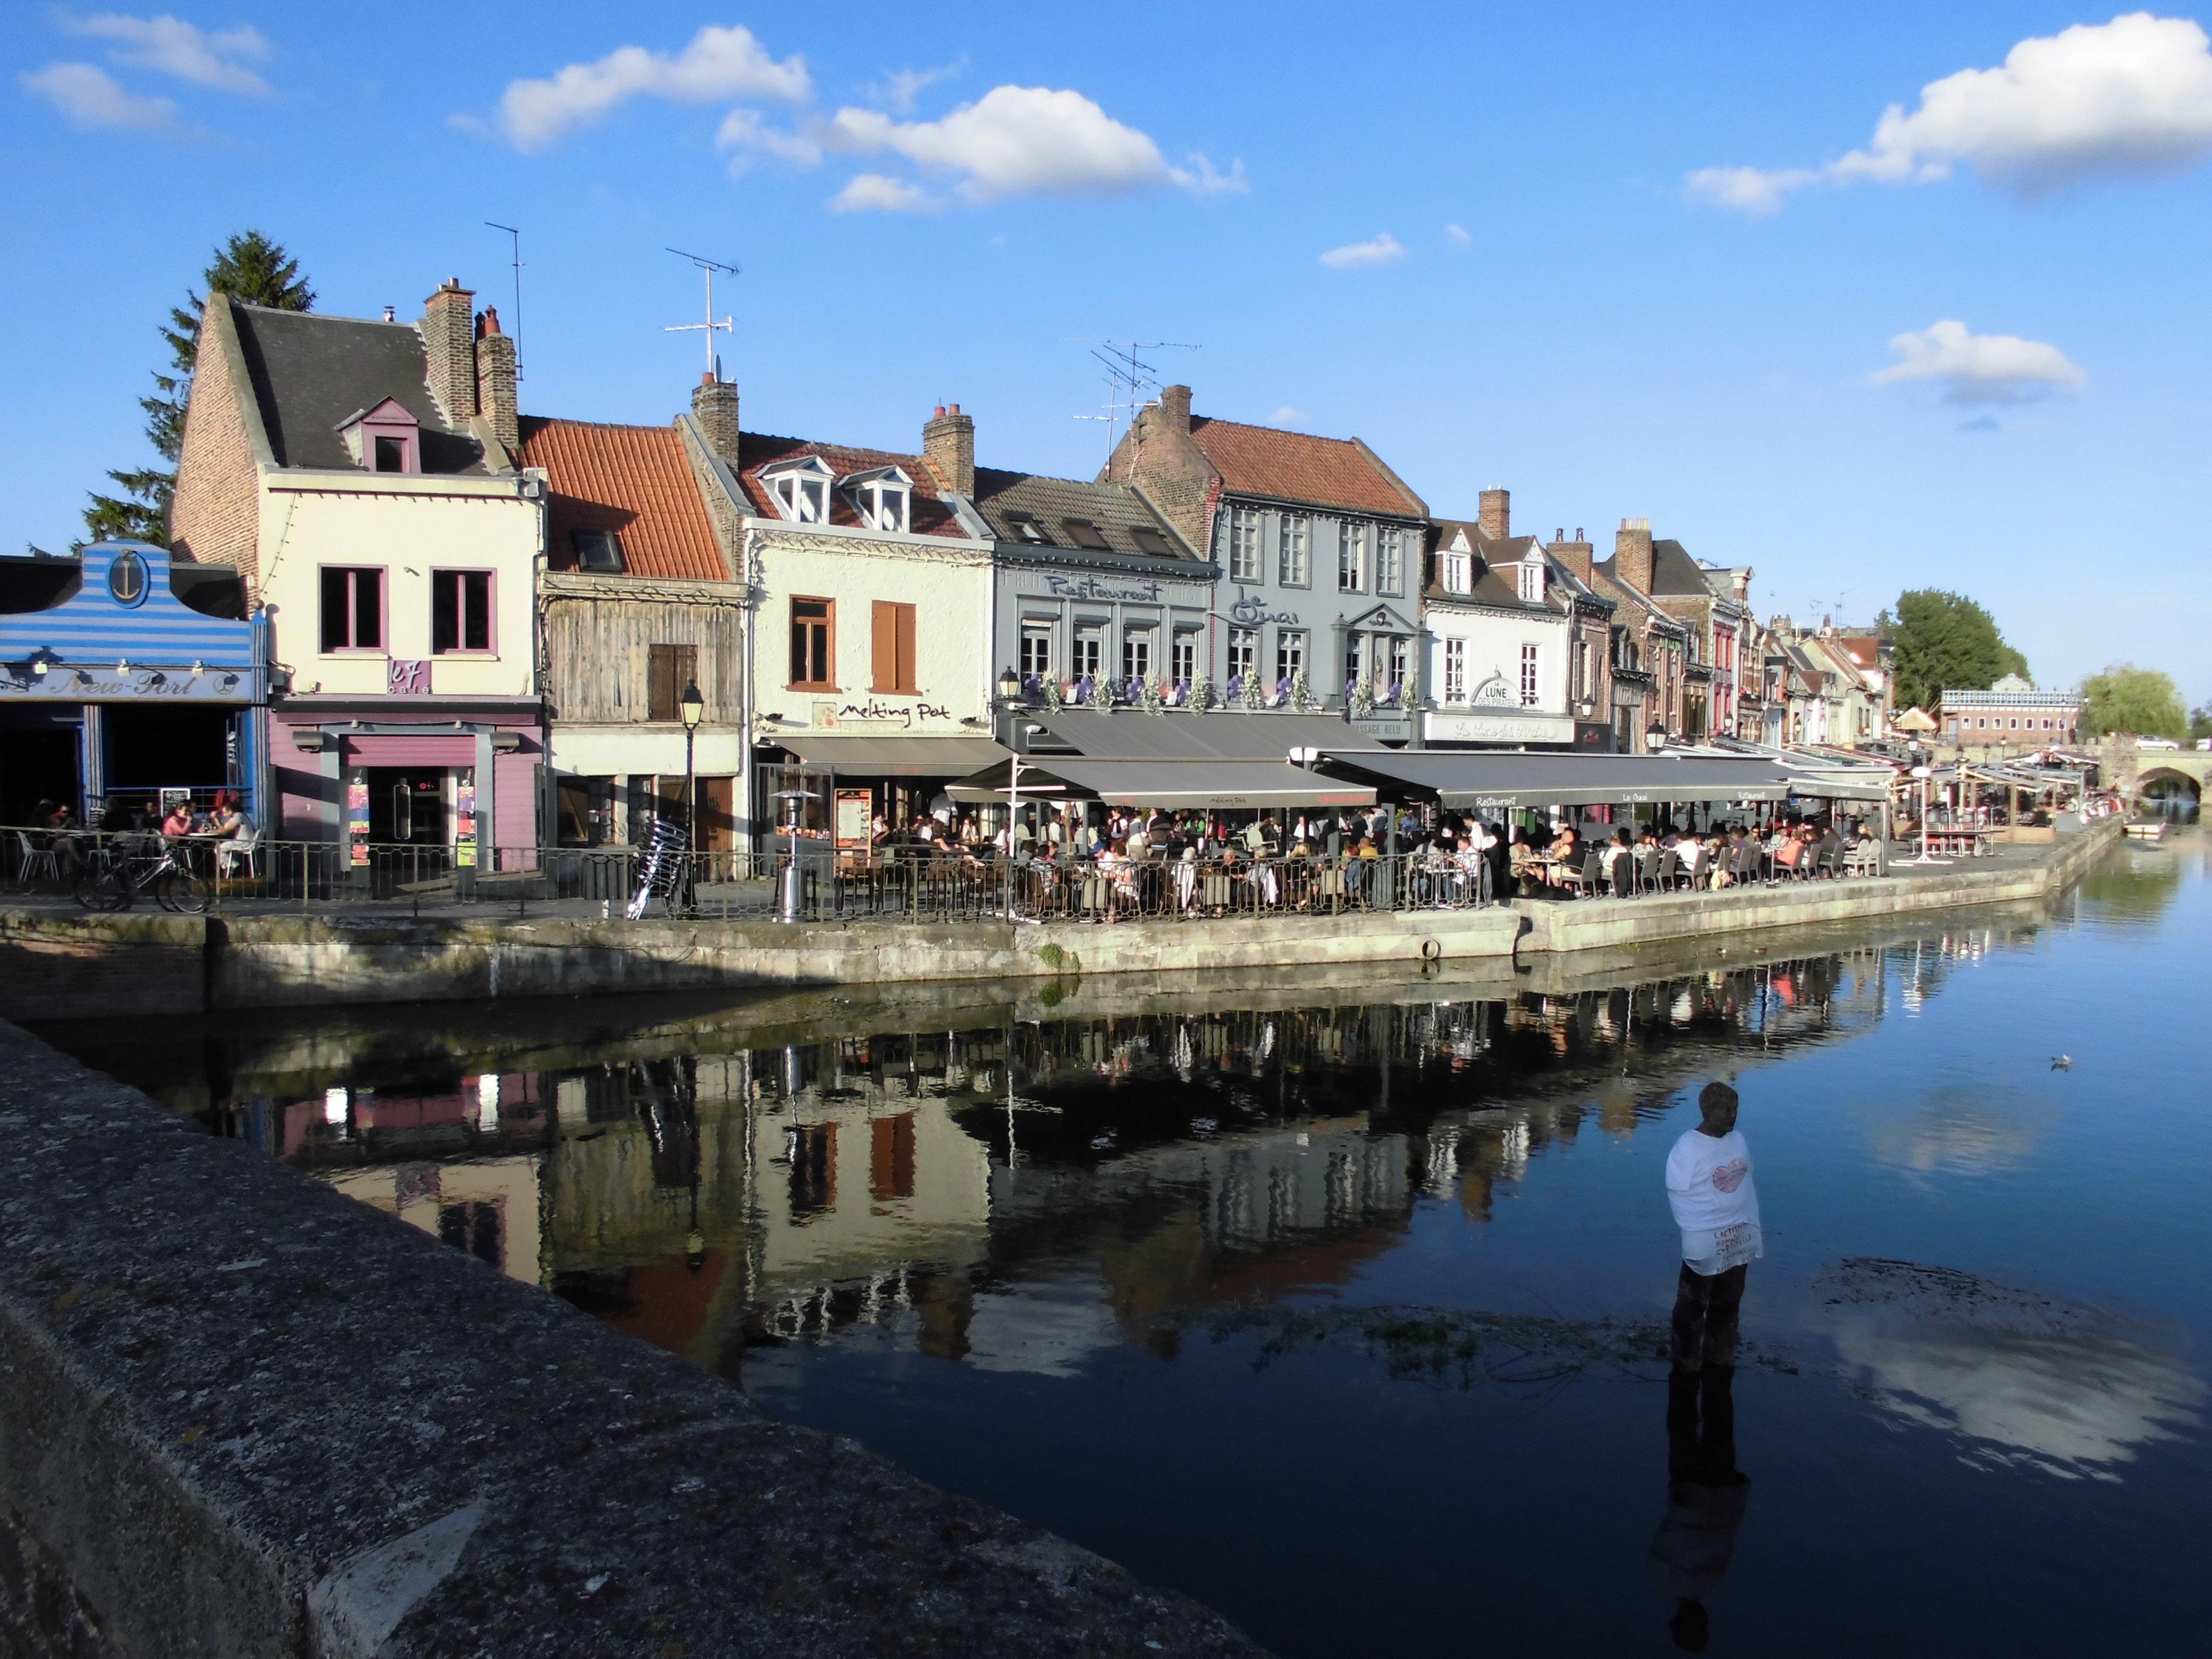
55,961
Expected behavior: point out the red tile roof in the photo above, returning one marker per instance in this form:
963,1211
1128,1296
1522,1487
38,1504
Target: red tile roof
1263,460
634,480
927,513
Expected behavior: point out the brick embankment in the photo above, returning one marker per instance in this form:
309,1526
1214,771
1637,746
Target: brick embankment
242,1415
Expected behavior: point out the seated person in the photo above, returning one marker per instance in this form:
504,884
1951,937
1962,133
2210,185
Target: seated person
178,820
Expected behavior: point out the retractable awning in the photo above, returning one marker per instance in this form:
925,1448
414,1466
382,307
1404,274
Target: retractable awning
1510,780
878,755
1218,734
1173,786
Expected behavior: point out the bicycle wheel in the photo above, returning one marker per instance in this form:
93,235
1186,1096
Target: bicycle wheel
103,887
183,890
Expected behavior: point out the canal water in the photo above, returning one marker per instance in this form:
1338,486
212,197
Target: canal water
1342,1306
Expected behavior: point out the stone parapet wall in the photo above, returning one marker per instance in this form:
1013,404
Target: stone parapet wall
242,1415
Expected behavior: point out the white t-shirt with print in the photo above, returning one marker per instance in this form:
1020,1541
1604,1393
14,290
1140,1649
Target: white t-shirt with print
1715,1202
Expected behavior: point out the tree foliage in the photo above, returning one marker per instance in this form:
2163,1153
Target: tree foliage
2200,722
1944,641
248,267
2126,698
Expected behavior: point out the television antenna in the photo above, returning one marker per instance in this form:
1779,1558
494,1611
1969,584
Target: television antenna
706,329
514,238
1128,377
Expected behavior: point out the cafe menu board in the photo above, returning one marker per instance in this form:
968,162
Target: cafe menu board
357,817
465,821
852,823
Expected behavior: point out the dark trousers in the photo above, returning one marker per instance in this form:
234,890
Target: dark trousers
1705,1307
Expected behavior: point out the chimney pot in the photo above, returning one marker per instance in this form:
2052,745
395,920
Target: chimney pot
715,407
449,348
1631,554
495,378
948,444
391,315
1496,515
1173,407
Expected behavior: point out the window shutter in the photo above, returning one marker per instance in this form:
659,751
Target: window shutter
907,679
661,689
884,640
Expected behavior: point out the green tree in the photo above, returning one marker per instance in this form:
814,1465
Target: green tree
248,267
2200,721
2126,698
1944,641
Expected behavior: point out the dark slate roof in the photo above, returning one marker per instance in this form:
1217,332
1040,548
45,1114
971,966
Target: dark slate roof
1608,574
1675,574
1116,509
1491,586
311,372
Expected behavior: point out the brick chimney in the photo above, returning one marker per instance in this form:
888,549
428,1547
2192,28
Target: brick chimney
1174,407
948,444
448,328
1495,517
1631,554
715,407
1575,555
496,379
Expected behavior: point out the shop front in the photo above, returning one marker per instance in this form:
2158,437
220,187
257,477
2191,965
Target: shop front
829,791
126,677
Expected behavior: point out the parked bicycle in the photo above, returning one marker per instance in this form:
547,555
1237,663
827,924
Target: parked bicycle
113,875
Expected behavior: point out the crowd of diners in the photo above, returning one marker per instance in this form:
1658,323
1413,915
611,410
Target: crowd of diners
132,821
1151,860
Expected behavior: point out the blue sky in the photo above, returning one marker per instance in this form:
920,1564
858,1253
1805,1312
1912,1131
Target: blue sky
1543,279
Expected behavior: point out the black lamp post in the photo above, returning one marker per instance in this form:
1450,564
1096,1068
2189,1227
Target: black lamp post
1010,685
694,710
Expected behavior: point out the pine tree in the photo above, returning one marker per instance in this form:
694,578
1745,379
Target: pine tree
249,268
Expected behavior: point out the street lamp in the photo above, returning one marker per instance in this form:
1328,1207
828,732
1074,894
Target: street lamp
1010,685
1655,738
694,709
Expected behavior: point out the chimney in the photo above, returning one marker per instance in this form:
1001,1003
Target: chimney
1495,516
948,444
1575,555
448,339
1175,408
496,379
714,406
1631,554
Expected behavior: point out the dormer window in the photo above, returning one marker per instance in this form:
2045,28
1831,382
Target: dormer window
1148,540
1084,533
383,438
1026,526
801,489
1532,582
597,549
1458,572
884,498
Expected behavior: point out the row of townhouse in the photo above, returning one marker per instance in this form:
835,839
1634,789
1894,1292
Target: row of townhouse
479,628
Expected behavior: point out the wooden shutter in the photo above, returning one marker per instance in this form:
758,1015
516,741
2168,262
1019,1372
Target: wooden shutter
663,687
907,679
884,643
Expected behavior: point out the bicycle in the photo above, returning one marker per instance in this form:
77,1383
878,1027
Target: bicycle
113,878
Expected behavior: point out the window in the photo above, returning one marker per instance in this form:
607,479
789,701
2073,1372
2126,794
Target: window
352,610
1295,566
1532,582
1243,545
668,669
1350,661
1351,559
883,500
800,490
1090,651
813,645
596,550
1454,671
1150,540
1389,559
1081,532
893,641
1580,664
1529,681
1027,527
391,454
460,611
1184,668
1137,653
1458,572
1243,653
1400,644
1289,652
1035,650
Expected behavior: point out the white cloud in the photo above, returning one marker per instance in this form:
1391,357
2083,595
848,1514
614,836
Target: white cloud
1980,369
1352,256
1457,235
897,90
2128,99
90,97
877,192
719,64
171,46
1023,141
746,131
1286,415
1202,177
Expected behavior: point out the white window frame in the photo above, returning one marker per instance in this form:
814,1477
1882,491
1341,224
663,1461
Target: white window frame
1389,563
1401,658
1290,653
1455,671
1532,683
1350,557
1033,653
801,489
884,498
1294,566
1243,652
1136,654
1244,544
1459,572
1088,660
1532,582
1182,666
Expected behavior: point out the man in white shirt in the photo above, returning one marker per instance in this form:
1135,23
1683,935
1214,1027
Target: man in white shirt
1716,1204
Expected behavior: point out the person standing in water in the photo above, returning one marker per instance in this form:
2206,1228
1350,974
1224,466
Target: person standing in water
1716,1204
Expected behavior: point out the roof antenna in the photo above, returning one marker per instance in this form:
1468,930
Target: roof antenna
705,330
1127,378
515,238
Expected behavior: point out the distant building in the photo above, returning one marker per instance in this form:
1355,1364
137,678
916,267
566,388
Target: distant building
2012,717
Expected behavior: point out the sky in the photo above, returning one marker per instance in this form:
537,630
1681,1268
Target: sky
1867,297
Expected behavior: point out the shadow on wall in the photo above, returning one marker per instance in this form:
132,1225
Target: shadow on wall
56,967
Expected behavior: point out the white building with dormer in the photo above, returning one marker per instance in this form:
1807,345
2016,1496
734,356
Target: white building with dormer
1499,636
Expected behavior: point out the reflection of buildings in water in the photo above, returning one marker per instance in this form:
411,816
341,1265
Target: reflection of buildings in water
488,1206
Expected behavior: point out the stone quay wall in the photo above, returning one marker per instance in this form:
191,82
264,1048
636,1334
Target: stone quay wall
57,965
242,1415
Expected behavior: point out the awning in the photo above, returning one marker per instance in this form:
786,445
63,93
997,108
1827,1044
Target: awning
1216,734
875,755
1173,786
1509,779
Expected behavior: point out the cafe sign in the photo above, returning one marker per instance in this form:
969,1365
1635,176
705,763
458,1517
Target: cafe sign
45,680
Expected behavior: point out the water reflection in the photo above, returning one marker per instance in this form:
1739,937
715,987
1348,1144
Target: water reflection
1706,1495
